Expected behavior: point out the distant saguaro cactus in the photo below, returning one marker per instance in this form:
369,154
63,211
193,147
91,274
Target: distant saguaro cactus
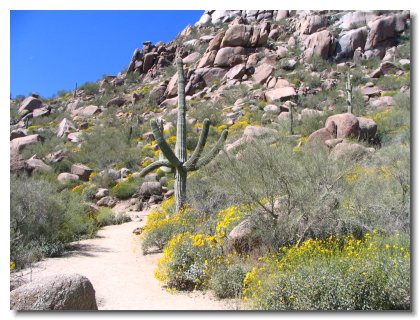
291,120
349,88
178,160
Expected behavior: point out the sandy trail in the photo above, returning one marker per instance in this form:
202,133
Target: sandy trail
121,275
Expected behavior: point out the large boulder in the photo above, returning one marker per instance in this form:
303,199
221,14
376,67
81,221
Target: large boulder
351,151
65,127
237,72
150,188
229,56
262,72
74,136
246,36
107,201
37,165
18,133
18,144
356,18
350,41
371,91
29,104
117,101
320,44
381,102
207,59
82,171
311,24
237,35
242,238
344,125
210,75
57,292
149,60
318,138
382,32
86,111
66,177
191,58
367,127
215,43
279,94
44,111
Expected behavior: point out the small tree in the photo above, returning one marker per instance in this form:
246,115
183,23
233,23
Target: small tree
179,160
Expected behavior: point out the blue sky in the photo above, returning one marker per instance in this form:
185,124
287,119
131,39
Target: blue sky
52,50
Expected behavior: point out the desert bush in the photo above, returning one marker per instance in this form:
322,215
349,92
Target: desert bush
234,93
163,224
370,273
394,123
372,63
185,261
296,194
42,219
126,188
50,144
318,64
106,217
202,111
394,82
90,88
227,281
104,146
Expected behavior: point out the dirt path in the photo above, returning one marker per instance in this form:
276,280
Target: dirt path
121,275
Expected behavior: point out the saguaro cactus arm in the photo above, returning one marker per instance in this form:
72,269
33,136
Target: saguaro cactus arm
155,165
163,146
192,161
213,152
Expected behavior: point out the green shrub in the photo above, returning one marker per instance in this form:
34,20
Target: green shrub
299,193
185,261
394,82
227,281
371,273
126,188
106,217
42,219
90,88
104,146
163,224
41,149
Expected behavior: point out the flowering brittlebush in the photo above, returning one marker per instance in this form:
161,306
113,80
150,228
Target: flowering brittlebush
335,273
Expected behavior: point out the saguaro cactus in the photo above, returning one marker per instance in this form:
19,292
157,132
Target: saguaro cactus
179,160
349,88
291,120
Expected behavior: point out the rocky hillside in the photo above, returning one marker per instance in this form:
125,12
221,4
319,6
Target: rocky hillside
337,81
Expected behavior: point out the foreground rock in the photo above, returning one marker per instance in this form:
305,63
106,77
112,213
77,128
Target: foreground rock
343,125
242,238
58,292
30,104
82,171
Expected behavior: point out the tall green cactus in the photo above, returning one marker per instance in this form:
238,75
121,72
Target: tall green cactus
349,89
291,119
179,160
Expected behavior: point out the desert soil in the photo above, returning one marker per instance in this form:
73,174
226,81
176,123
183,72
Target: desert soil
121,275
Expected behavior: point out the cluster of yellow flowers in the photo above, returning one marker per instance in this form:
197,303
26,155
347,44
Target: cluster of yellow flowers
347,250
226,219
120,184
